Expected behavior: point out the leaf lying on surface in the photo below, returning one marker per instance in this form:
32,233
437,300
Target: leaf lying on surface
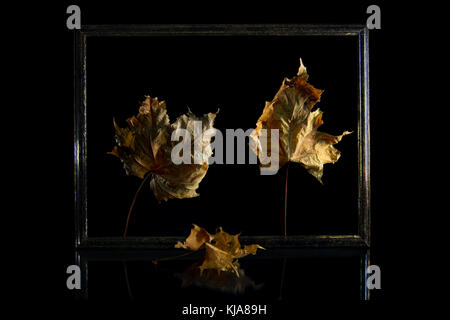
299,140
222,250
145,147
230,243
196,239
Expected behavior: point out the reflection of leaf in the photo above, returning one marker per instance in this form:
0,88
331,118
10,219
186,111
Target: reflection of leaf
223,281
222,250
145,147
290,112
219,260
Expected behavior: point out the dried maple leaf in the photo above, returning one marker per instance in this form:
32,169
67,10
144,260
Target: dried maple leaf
222,250
219,260
299,141
230,243
196,239
141,146
145,147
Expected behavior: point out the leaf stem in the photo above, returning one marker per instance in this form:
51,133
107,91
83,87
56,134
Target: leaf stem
130,295
285,200
172,257
132,204
283,271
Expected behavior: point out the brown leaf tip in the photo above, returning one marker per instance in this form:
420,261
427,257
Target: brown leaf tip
302,70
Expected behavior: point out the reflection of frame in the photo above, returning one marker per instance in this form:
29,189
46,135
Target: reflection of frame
360,239
276,257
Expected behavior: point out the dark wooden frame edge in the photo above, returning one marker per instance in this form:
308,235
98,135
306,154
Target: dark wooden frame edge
361,240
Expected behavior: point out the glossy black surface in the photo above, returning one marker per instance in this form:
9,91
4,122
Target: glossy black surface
269,277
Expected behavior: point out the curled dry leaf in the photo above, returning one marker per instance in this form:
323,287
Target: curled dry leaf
195,240
230,243
222,250
145,148
219,260
299,141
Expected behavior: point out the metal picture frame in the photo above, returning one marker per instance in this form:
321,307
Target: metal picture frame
359,240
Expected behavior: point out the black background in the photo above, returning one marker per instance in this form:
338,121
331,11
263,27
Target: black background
237,75
49,46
